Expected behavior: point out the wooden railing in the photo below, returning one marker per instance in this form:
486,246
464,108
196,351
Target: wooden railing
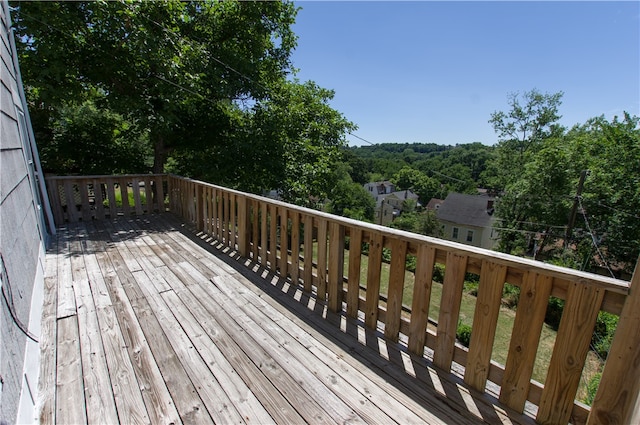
75,198
309,248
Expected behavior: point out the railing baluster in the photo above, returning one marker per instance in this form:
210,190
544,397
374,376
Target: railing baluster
322,259
295,246
273,236
336,266
534,297
485,319
85,208
255,235
396,287
455,269
308,253
264,231
199,208
72,211
284,242
425,262
137,201
373,280
355,260
569,353
124,195
243,225
98,199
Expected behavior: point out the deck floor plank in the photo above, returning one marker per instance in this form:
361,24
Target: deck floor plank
157,323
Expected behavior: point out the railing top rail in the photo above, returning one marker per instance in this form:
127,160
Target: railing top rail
607,283
103,176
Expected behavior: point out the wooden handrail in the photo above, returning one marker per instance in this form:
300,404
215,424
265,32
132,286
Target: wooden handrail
75,198
283,237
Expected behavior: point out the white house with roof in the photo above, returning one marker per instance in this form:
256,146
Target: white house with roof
389,201
468,219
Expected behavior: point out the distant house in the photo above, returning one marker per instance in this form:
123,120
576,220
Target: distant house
389,202
468,219
434,204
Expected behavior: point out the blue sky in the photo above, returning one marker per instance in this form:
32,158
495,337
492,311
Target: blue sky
433,72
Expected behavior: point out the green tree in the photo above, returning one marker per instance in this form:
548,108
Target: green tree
522,133
88,140
168,66
350,199
608,215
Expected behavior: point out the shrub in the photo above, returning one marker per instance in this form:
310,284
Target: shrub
463,333
592,388
603,333
554,312
438,273
510,295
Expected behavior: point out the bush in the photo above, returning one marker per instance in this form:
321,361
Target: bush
463,333
510,295
554,312
438,273
592,388
603,333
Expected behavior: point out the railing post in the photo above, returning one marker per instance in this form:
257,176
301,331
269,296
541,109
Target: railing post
617,400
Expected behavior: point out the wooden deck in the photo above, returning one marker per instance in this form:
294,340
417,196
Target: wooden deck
145,322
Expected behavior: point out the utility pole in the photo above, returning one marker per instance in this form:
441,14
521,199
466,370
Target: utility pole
574,209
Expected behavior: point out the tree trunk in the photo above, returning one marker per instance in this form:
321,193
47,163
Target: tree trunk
159,152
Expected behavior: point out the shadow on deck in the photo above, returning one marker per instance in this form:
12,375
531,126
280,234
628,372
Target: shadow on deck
146,321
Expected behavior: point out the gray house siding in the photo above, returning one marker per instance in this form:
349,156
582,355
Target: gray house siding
22,244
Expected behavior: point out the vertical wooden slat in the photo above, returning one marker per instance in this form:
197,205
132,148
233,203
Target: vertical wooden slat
425,262
124,194
455,268
227,219
243,225
148,195
322,259
199,207
336,266
233,230
534,297
617,400
295,246
284,242
53,189
373,280
569,353
220,223
98,199
111,196
213,218
485,320
72,211
308,253
273,236
264,231
396,287
355,259
83,187
137,202
210,209
255,235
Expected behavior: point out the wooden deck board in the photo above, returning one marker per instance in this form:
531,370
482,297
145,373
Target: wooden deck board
148,322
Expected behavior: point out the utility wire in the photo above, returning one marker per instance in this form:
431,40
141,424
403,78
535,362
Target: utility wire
593,237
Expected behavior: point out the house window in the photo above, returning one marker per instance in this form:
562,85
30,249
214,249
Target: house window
470,236
454,234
